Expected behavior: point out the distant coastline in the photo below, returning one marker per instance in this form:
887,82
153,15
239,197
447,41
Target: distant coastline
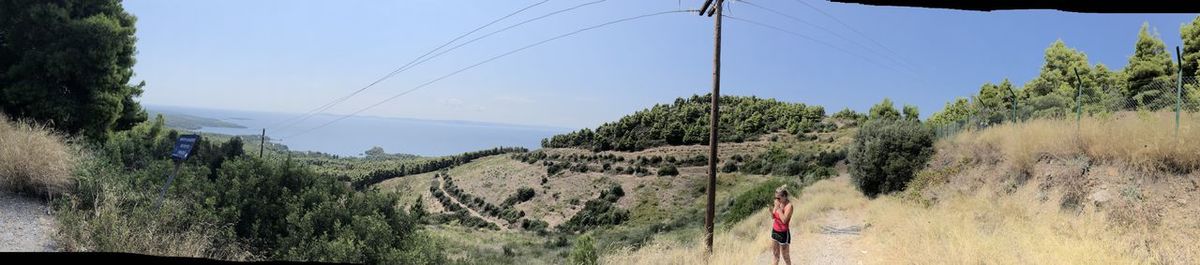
354,135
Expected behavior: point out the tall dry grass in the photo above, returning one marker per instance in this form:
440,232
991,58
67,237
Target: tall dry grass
990,228
748,241
33,158
1146,141
1110,189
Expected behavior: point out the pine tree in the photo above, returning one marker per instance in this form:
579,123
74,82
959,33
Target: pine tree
1150,70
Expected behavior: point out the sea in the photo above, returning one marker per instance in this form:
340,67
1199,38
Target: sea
354,135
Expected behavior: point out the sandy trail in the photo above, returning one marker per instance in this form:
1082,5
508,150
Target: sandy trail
833,240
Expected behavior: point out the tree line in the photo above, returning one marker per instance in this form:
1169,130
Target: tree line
686,121
1148,82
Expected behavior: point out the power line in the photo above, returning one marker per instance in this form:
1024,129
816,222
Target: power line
855,30
868,59
439,54
484,62
831,32
313,112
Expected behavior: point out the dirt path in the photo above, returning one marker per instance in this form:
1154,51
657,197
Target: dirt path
24,225
495,221
832,241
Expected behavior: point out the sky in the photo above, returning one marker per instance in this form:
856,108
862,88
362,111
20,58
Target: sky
294,56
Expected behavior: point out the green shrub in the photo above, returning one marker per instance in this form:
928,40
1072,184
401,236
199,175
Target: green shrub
595,213
754,199
668,170
523,194
612,194
887,152
729,167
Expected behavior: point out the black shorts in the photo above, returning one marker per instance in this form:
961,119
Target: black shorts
783,238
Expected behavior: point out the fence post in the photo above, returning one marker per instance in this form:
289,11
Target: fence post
1178,90
1014,104
1078,98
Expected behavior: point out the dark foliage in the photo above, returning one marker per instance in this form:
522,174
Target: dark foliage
668,170
598,212
886,153
685,122
69,64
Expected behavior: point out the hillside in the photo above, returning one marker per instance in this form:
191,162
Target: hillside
621,198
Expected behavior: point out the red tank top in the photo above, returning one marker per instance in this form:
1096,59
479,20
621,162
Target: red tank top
778,225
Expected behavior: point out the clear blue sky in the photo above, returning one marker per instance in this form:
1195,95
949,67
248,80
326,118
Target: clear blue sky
291,56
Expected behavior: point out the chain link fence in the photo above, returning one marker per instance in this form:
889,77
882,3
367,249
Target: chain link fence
1070,101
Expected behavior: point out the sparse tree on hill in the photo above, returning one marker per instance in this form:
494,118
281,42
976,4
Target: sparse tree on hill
911,113
375,152
884,110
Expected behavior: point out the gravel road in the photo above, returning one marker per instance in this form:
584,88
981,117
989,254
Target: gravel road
24,224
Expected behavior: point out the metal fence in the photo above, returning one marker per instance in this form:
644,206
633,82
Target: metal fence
1073,102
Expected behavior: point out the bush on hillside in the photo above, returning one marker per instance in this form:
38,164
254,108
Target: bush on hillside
886,153
523,194
33,158
729,167
598,212
668,170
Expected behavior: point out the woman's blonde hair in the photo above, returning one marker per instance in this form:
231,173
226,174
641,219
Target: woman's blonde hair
782,191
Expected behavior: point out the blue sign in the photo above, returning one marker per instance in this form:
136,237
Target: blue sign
183,146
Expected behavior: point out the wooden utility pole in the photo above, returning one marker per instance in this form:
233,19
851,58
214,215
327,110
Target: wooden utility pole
714,118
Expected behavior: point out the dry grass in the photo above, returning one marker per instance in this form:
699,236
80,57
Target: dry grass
1115,190
741,243
749,239
1146,141
984,228
33,158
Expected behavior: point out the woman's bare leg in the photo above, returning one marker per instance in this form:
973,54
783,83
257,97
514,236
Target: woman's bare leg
787,254
774,252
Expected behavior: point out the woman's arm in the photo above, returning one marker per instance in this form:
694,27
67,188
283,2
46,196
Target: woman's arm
787,214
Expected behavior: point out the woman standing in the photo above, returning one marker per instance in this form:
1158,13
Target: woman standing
781,217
